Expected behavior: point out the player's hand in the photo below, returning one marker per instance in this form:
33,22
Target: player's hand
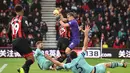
87,29
80,28
61,21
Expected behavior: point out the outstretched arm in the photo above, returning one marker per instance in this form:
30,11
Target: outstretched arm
54,61
64,24
85,46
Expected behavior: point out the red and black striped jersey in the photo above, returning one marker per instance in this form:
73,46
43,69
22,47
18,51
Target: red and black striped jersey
64,32
18,27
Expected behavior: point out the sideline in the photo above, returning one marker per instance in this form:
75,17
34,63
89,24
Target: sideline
3,67
111,60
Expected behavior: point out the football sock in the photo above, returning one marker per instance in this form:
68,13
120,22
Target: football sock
27,65
116,64
68,60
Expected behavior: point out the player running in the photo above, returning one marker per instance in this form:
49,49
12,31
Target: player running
17,34
79,64
74,30
43,63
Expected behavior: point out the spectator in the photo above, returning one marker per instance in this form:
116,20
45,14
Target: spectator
128,42
58,3
4,5
90,43
73,7
25,7
35,5
30,17
5,19
94,27
16,2
44,29
97,43
11,4
39,37
123,45
4,37
31,39
117,44
121,33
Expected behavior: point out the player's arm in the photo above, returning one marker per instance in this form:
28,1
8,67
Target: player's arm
62,18
37,52
25,25
64,24
54,61
81,29
85,46
9,32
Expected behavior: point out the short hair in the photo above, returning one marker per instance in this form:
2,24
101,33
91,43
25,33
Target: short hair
72,14
73,55
38,42
18,8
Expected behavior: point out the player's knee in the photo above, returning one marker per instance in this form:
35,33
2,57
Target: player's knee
67,51
31,58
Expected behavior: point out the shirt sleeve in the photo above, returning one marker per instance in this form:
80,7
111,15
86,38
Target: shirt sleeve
67,66
82,54
9,32
71,23
37,52
25,25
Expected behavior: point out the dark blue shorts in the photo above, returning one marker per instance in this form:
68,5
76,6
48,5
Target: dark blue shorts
74,43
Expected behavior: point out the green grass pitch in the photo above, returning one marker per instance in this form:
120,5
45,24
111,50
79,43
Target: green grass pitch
14,63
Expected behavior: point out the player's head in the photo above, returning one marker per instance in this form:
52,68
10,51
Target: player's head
19,9
73,55
70,16
39,44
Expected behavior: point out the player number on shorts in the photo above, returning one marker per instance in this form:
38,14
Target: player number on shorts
15,28
80,69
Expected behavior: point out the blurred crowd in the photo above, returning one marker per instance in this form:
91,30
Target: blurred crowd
109,20
32,10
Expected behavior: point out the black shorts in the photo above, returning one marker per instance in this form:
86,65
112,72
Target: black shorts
62,44
21,45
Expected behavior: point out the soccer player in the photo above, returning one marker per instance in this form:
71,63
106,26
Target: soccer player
74,32
17,34
43,63
79,64
63,42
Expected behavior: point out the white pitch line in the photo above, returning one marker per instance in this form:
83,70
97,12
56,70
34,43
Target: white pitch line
112,60
2,68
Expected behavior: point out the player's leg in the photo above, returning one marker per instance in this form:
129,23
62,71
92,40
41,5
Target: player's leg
47,64
62,45
101,68
116,64
68,50
25,51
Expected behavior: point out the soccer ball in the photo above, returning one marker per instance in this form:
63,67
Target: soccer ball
55,12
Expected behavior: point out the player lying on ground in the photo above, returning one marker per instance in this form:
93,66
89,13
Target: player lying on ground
79,64
43,63
18,32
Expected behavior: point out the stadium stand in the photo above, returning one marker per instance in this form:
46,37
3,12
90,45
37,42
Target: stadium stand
109,20
32,9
